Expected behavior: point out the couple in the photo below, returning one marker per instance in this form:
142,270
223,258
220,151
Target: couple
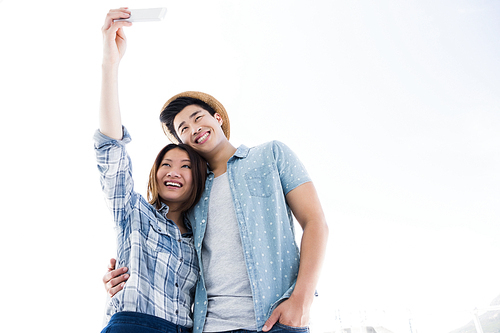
211,250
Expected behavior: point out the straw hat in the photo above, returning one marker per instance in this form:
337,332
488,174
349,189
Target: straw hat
215,104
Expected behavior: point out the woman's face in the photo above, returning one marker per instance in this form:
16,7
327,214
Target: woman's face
174,177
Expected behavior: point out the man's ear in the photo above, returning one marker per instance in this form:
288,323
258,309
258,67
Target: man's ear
218,118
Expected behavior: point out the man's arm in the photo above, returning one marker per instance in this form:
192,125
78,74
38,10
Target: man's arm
114,279
306,207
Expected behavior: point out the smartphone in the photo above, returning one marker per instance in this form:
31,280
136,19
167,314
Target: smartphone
146,15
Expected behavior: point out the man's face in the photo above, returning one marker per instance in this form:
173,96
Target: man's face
197,128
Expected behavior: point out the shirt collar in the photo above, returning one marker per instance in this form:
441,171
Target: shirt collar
242,151
163,209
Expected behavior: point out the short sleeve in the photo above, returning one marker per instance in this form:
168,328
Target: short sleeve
291,170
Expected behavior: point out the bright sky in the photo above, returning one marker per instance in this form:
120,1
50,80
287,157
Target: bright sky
393,107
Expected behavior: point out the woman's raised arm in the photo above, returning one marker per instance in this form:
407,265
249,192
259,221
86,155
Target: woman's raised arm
115,43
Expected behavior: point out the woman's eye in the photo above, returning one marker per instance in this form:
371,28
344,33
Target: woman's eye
165,164
186,166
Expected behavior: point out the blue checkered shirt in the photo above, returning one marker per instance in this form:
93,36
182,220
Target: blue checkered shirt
162,263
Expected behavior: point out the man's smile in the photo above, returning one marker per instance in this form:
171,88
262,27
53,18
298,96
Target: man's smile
202,138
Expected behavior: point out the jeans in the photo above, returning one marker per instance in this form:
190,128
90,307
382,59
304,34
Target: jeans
135,322
280,328
277,328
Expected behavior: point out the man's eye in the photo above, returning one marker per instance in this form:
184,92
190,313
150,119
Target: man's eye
182,130
196,119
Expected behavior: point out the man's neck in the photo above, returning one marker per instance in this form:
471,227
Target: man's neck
217,159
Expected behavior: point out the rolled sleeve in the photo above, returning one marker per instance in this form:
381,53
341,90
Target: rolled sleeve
115,170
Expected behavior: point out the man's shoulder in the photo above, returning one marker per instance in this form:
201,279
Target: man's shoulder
270,145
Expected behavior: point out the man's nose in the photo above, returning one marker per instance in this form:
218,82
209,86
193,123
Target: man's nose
196,130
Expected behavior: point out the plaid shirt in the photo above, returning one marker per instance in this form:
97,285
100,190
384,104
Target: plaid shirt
162,263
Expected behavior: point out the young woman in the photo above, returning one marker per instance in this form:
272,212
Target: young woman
152,239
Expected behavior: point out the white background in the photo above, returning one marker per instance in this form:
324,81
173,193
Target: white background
393,106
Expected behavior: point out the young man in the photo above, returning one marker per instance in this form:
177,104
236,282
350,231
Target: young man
250,275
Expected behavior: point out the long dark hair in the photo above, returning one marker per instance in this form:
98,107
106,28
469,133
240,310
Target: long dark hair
198,170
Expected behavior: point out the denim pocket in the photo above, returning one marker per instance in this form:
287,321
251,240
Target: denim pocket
286,328
260,182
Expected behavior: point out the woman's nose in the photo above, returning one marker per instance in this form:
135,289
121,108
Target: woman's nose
173,173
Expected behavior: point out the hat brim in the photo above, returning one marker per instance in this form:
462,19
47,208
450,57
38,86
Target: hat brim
214,104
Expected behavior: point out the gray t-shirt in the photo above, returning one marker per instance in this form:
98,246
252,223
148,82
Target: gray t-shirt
230,303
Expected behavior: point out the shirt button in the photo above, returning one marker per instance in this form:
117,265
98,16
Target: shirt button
177,285
179,240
